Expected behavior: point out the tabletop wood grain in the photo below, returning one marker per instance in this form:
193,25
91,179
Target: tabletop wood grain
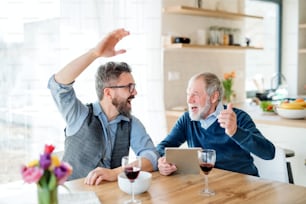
229,187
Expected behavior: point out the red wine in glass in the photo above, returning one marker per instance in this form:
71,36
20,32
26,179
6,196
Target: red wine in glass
131,172
207,159
206,167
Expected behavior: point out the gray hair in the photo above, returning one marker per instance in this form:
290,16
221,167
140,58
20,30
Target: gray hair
212,84
108,74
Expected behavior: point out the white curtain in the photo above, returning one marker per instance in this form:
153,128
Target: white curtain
48,38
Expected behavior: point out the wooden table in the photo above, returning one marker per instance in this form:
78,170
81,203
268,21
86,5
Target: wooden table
229,187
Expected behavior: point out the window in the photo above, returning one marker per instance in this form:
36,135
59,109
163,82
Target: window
37,38
263,66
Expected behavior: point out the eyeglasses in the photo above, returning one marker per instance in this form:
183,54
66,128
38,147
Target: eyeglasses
131,87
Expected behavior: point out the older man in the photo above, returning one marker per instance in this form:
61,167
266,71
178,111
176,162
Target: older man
211,125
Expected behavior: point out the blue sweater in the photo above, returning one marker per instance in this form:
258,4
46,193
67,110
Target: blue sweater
233,153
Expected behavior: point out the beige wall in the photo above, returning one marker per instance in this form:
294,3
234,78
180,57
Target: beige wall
183,63
190,62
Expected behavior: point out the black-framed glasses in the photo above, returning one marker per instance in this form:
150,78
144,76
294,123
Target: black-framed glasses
131,87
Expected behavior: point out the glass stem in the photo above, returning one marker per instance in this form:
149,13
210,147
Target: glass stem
206,183
133,198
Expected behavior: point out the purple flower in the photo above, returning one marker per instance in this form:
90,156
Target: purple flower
45,161
62,172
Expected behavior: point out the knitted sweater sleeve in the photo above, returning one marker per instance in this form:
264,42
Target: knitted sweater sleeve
177,135
250,138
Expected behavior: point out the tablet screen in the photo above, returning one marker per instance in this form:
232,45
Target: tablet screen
185,159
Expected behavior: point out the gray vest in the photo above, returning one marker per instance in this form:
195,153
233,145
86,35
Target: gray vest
84,150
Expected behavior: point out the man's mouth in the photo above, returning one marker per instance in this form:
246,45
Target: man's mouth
129,100
193,108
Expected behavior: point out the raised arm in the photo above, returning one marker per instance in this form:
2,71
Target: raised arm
105,48
240,126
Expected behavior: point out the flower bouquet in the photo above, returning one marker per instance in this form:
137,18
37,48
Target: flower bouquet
48,173
227,85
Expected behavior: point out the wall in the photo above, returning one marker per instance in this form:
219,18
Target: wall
184,63
188,63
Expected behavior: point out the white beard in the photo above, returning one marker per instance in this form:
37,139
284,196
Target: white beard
202,113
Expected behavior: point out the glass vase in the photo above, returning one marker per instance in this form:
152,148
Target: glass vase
228,94
47,196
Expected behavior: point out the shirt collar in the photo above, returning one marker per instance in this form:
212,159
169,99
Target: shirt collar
206,123
219,108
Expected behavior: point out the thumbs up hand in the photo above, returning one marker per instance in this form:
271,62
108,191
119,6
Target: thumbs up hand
227,119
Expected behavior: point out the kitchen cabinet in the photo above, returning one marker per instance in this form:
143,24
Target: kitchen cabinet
292,138
192,11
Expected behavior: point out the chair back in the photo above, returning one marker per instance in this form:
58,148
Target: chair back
275,169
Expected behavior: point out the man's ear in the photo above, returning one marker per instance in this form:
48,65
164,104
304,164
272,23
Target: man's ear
107,92
215,97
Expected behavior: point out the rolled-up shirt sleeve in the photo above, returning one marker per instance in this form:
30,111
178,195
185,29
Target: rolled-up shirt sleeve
71,109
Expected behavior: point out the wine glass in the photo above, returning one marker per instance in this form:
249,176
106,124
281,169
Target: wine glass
207,159
131,170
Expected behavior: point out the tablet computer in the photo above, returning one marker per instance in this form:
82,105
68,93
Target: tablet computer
185,159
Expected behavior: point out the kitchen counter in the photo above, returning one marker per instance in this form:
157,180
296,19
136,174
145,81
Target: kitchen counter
253,110
270,119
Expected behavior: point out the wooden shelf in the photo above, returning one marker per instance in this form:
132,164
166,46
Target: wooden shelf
224,47
302,25
187,10
302,50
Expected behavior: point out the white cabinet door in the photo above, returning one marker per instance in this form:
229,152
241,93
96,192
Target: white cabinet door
290,138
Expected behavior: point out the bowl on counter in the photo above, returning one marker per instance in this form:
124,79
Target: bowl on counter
141,184
291,113
267,107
